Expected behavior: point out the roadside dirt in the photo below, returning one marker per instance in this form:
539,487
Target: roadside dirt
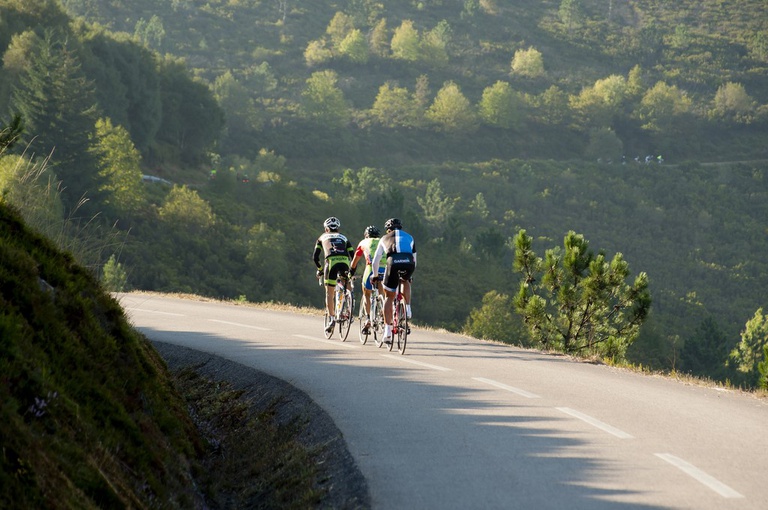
340,479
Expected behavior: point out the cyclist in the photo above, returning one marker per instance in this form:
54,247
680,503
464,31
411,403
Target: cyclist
400,250
365,249
336,251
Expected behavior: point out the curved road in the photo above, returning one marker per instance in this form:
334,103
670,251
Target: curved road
458,423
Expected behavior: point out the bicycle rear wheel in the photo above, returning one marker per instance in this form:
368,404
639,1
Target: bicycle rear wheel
378,321
362,319
402,327
345,317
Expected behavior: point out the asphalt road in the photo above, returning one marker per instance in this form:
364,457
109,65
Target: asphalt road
458,423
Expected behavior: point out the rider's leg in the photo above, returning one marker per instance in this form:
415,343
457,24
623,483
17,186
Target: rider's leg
329,305
367,302
388,312
405,288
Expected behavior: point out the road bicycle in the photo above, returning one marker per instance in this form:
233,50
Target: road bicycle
376,316
400,327
344,303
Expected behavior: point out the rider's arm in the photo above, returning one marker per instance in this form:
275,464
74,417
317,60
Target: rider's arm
316,255
355,260
377,258
350,250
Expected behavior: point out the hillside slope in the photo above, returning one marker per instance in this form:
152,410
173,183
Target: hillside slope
89,418
92,417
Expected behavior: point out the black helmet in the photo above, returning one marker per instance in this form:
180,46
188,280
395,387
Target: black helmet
393,224
372,231
332,223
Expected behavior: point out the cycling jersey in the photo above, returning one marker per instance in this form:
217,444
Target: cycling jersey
336,251
365,249
400,250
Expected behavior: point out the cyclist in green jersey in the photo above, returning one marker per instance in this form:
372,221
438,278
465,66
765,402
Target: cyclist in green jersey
365,250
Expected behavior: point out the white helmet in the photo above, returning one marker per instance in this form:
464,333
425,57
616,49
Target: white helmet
332,223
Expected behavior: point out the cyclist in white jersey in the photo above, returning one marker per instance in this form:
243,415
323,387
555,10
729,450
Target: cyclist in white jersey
400,249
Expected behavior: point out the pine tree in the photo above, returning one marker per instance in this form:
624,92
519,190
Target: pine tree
57,102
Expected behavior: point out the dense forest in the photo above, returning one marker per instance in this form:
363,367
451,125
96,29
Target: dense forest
192,146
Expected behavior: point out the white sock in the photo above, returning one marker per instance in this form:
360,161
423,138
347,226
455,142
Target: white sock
387,331
408,311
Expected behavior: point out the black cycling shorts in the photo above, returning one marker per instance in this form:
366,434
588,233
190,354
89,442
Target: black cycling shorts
397,263
333,266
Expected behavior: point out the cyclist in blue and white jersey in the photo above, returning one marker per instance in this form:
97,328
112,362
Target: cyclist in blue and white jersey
400,249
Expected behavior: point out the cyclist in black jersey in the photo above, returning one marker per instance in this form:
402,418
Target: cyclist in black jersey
332,254
399,247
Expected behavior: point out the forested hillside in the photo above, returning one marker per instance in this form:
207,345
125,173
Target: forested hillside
640,124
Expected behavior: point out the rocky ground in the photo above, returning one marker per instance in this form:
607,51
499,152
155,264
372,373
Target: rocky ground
340,480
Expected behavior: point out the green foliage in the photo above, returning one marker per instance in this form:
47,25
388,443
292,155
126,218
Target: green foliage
10,133
451,111
323,102
706,352
120,167
114,276
662,107
151,33
183,208
577,302
394,107
32,189
354,47
528,63
496,320
405,42
191,120
748,355
57,102
733,104
604,146
501,106
762,368
88,412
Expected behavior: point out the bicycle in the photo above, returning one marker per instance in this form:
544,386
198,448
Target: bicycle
362,319
344,302
377,315
400,327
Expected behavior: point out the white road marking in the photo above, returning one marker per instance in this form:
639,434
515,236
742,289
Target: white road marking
240,325
414,362
595,423
700,476
518,391
339,343
157,312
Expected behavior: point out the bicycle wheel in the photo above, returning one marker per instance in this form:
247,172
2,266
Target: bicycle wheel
402,327
345,317
362,319
326,322
378,321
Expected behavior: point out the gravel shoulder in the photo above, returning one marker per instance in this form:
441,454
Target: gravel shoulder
343,483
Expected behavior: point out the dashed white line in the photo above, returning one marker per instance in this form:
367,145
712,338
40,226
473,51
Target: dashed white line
338,343
239,325
414,362
595,423
512,389
700,476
